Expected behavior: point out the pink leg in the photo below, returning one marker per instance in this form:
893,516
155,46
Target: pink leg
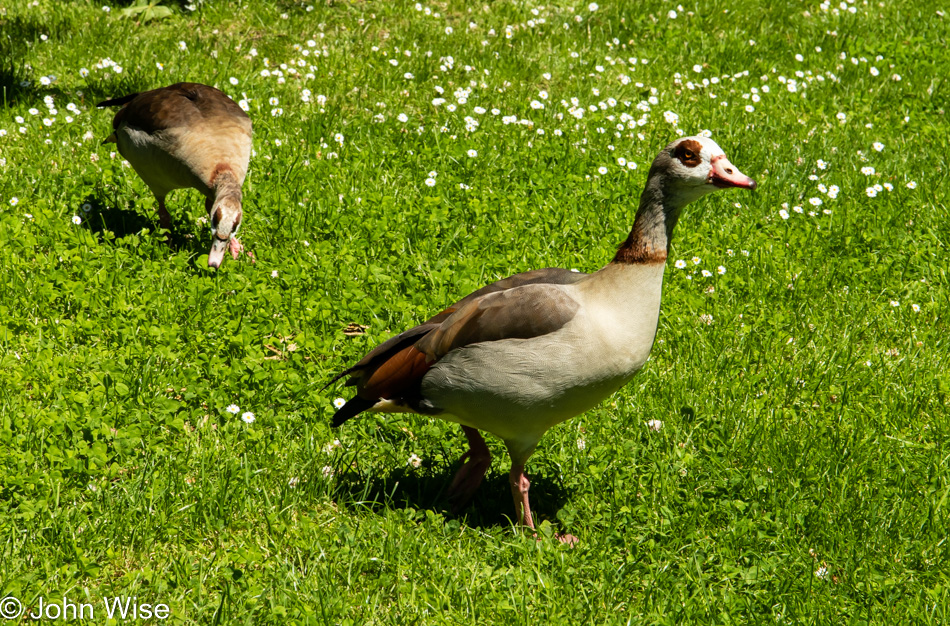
519,492
470,475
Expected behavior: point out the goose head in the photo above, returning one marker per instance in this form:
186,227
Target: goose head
691,167
682,172
225,220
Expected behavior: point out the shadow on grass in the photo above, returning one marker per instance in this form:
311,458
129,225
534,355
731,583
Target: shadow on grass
19,34
491,507
21,31
20,84
110,223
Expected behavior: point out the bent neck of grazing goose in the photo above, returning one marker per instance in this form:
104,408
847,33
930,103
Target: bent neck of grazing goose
684,171
225,212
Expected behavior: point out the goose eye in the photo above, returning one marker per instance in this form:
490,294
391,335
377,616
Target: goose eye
687,152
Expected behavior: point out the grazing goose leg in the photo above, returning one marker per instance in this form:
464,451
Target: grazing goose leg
164,217
519,453
468,478
519,493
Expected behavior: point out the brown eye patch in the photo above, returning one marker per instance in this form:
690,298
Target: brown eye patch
688,152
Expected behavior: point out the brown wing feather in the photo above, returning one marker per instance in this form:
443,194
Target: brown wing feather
520,313
394,369
173,106
380,354
396,374
545,276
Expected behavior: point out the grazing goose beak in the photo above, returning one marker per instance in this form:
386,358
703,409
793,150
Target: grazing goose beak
216,254
724,174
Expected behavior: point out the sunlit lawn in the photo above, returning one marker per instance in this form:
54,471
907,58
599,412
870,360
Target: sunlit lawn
406,155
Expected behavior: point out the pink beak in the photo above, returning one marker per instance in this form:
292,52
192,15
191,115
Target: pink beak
725,174
216,254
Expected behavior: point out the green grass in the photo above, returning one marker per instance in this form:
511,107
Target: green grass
801,474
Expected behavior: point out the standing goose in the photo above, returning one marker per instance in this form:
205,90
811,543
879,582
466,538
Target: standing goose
188,135
530,351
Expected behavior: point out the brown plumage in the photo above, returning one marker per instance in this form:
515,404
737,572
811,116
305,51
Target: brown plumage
525,353
188,135
403,360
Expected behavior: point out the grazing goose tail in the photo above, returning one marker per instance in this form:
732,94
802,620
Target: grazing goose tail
114,102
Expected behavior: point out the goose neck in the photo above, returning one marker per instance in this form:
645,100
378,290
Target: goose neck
649,239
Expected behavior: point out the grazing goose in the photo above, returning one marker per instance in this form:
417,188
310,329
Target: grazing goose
530,351
188,135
